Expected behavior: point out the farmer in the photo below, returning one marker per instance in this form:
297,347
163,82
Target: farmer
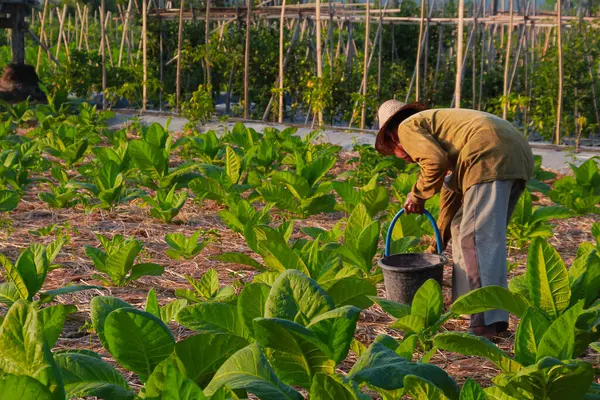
480,163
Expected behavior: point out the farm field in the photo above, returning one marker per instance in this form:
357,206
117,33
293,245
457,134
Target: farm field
143,263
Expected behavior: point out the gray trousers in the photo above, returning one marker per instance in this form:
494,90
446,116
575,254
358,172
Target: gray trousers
479,241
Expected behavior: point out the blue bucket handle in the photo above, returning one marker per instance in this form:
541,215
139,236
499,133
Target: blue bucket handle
388,238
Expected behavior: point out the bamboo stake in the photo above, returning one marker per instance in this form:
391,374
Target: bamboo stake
178,73
144,54
125,26
247,57
363,112
42,35
560,70
207,43
319,55
103,52
281,77
379,58
419,50
61,27
507,60
459,52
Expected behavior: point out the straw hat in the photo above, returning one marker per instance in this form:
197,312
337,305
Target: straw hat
387,111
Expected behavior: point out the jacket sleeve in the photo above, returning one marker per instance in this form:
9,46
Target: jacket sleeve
427,152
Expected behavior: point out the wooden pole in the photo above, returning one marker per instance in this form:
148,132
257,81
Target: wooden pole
125,25
179,40
42,36
363,112
419,51
17,32
207,44
319,55
247,57
507,59
281,43
103,52
144,54
459,52
560,70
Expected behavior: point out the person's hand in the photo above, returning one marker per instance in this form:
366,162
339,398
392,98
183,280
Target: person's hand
412,207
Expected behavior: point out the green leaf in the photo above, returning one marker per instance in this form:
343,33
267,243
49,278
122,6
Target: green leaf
213,317
410,324
14,276
9,200
25,351
421,388
529,334
248,369
151,160
490,298
23,387
145,269
100,307
89,376
383,368
296,297
295,352
138,340
472,391
548,279
559,339
171,384
469,345
428,302
53,320
152,306
251,304
393,308
232,165
202,355
49,295
119,263
9,293
550,212
239,258
352,291
170,310
208,285
336,329
327,387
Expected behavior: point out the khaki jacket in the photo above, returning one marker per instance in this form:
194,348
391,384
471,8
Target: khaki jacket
474,146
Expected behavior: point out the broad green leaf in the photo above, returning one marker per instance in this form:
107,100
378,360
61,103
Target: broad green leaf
49,295
145,269
336,329
239,258
25,351
529,334
559,339
278,256
296,297
550,212
381,367
495,393
200,356
171,384
548,279
120,262
490,298
208,285
407,347
213,317
15,276
249,369
472,391
152,306
316,169
393,308
469,345
169,311
410,324
100,307
138,340
151,160
359,219
9,200
352,291
53,320
23,387
232,165
89,376
251,304
328,387
9,293
428,302
295,353
421,388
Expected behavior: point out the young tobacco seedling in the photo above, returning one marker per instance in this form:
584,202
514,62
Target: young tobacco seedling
374,197
181,246
109,186
206,288
117,261
166,205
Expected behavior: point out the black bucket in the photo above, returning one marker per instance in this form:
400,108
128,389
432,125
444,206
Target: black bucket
404,274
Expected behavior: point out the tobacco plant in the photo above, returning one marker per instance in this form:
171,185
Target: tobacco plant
181,246
581,192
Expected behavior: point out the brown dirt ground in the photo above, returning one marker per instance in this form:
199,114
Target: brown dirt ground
135,221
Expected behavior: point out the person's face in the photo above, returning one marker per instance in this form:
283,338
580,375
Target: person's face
399,150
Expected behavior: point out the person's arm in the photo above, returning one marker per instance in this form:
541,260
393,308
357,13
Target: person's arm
450,203
422,147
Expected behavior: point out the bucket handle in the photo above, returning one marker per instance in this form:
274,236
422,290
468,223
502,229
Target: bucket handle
388,238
